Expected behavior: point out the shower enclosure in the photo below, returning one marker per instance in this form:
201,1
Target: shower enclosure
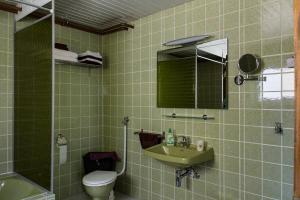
34,93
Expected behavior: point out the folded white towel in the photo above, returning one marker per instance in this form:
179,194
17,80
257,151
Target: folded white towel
90,53
64,53
65,58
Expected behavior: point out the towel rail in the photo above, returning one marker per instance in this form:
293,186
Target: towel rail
204,117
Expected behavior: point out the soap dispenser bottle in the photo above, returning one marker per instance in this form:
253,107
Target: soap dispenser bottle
170,138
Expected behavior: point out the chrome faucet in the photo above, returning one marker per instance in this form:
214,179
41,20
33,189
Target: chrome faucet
185,141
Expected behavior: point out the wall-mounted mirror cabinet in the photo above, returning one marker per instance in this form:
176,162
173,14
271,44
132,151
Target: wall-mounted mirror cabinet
193,76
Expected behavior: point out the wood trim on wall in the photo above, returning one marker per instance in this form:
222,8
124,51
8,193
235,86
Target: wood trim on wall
297,99
112,29
9,8
71,24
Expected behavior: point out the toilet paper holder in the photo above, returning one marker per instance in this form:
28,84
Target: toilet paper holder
61,143
61,140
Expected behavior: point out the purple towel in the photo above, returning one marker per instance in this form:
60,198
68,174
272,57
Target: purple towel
149,139
102,155
61,46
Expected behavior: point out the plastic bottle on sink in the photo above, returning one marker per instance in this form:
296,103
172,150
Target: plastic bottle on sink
170,138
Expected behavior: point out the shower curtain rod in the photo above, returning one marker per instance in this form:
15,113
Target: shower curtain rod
30,4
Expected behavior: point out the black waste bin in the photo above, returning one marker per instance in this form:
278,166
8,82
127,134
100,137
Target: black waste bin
105,161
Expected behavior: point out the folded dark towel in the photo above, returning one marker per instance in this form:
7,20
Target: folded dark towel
149,139
89,56
103,155
91,62
61,46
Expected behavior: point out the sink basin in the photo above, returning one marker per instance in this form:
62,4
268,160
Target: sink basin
179,156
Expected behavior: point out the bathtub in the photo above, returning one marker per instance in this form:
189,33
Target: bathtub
16,187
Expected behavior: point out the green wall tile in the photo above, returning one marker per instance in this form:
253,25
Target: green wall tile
252,26
253,151
271,171
253,185
270,154
288,174
271,189
253,134
271,46
231,20
253,168
271,19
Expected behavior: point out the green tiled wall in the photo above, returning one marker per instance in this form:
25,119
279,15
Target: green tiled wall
78,111
78,105
6,91
252,162
247,149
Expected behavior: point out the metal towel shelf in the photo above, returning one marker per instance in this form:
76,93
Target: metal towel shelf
204,117
142,131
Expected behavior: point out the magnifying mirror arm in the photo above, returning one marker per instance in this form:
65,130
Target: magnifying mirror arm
255,78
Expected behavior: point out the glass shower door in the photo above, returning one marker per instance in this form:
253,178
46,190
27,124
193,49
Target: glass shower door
33,102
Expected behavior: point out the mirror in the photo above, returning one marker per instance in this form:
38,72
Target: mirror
248,64
193,76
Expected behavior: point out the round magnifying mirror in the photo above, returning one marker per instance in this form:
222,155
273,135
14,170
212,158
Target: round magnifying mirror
248,64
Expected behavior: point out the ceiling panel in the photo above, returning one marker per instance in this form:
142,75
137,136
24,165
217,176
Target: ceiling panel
102,14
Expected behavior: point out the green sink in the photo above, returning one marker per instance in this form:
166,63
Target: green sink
179,156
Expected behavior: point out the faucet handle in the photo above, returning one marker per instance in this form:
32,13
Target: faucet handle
185,141
181,136
188,141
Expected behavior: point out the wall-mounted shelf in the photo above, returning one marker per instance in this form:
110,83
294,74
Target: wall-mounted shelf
203,117
66,62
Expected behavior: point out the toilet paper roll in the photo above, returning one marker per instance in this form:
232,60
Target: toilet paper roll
63,154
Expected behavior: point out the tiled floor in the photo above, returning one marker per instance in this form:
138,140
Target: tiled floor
118,196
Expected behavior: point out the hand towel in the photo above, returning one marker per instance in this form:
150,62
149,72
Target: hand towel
149,139
91,54
61,46
90,57
90,61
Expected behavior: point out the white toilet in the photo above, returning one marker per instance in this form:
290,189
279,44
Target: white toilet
99,184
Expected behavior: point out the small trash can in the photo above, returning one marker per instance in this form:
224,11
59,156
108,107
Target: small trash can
105,161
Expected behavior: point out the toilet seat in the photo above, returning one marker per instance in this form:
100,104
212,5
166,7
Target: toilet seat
99,178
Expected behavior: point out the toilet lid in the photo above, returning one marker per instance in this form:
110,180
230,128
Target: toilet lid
98,178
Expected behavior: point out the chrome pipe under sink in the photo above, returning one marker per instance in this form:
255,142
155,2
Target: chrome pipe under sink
181,173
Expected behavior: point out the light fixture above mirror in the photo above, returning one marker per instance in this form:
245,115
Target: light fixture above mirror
186,41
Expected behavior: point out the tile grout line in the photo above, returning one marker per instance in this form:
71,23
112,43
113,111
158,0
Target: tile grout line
281,113
262,115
